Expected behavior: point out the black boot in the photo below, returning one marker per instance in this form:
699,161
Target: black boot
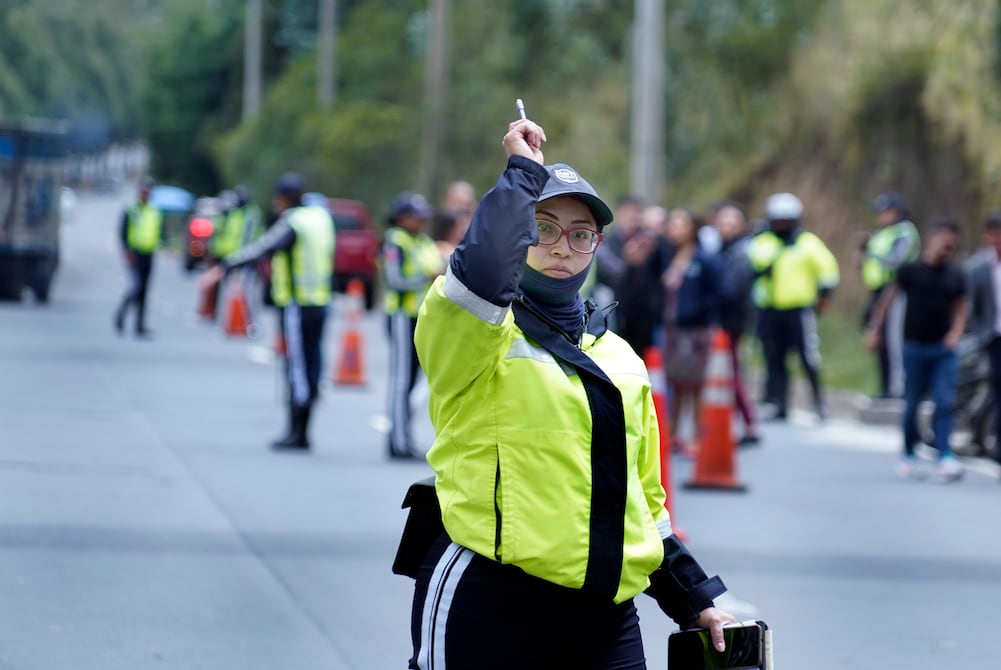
141,330
120,317
296,437
304,414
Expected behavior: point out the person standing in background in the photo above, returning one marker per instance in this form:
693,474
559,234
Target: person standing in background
141,233
460,202
692,286
983,274
640,294
934,322
895,241
795,276
737,309
301,247
609,267
240,223
411,260
450,222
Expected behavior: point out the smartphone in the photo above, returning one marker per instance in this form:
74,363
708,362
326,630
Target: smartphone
748,647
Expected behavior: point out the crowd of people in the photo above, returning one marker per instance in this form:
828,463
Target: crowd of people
673,274
547,497
677,275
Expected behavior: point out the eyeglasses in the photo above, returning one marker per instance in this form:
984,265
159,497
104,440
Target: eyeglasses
582,240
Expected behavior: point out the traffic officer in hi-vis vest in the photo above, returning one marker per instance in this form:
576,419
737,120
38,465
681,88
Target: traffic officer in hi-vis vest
240,225
301,247
795,275
895,241
411,260
141,233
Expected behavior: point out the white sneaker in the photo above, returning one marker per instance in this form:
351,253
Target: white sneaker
908,467
949,469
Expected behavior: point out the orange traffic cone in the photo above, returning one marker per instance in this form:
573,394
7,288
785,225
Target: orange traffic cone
714,463
658,389
350,370
238,317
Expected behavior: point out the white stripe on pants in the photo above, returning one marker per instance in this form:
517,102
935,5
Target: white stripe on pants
441,590
298,381
401,363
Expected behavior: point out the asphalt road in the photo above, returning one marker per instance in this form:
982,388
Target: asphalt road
144,523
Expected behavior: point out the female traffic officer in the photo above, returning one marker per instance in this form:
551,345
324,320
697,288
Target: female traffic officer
547,457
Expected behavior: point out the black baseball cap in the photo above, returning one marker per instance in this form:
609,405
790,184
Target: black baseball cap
290,183
564,180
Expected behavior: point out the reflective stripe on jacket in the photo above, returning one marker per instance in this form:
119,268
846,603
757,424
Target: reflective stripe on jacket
308,265
145,228
791,275
512,453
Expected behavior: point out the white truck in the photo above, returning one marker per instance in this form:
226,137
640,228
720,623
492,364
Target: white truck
32,158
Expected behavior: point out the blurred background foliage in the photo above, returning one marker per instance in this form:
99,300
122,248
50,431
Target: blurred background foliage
836,100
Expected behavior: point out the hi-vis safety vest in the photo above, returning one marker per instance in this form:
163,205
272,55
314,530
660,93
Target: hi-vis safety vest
512,453
231,238
877,270
144,228
421,258
798,271
303,273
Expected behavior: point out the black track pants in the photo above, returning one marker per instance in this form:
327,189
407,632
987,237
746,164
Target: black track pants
473,613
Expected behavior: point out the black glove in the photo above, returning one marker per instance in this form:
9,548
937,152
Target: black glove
680,586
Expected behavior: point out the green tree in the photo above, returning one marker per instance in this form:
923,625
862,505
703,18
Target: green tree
192,91
76,60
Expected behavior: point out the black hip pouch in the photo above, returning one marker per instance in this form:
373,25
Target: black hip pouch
423,527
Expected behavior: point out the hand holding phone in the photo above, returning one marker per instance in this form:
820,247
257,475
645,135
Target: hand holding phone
748,647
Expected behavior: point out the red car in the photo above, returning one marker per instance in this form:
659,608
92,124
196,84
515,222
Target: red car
198,233
357,247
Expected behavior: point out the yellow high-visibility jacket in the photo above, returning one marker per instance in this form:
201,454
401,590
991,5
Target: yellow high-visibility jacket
512,453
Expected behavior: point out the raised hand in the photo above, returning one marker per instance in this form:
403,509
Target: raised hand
524,138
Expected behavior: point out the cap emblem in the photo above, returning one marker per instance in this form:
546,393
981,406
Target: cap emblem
566,175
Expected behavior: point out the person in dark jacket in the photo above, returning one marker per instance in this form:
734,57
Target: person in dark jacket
692,287
736,314
300,245
645,256
985,297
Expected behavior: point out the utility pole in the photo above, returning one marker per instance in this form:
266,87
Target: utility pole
252,60
435,67
326,54
646,174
